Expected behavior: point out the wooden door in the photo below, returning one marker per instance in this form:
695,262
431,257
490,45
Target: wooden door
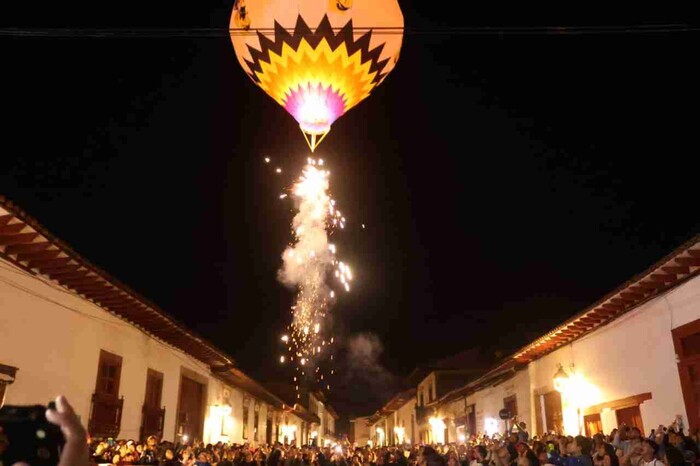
554,419
593,424
471,419
268,431
539,419
189,411
686,340
630,416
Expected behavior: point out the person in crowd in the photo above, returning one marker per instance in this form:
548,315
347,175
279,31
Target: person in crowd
481,456
522,433
649,452
628,440
607,454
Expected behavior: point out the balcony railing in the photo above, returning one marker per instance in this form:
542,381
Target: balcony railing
152,419
105,415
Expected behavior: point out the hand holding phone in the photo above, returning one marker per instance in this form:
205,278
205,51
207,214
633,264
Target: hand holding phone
27,436
43,437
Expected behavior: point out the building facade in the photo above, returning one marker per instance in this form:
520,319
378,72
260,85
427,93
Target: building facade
629,358
632,357
128,368
359,431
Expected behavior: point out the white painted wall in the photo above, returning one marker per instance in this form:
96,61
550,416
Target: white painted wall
54,337
404,418
361,431
490,401
426,387
630,356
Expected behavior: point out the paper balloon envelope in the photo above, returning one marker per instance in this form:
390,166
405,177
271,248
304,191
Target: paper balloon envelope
317,58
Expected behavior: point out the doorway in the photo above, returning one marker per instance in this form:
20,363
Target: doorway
593,424
631,416
686,340
189,410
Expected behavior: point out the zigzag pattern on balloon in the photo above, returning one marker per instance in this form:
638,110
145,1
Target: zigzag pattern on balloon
333,71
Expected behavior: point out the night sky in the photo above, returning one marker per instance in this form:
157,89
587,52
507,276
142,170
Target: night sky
506,181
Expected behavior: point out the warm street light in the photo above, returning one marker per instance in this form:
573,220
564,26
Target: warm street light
561,379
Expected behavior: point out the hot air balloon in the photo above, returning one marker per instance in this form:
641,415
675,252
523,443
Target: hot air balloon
317,58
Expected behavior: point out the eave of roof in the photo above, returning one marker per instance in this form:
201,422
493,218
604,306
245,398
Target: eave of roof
29,246
676,268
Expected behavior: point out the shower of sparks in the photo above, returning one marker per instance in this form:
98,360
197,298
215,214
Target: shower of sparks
308,263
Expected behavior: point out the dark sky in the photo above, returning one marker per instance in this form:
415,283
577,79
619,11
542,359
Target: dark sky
506,181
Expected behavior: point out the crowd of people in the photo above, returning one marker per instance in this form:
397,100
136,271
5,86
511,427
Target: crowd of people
625,446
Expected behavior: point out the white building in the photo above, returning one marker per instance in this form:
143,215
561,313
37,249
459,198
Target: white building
359,431
129,369
395,422
631,357
314,408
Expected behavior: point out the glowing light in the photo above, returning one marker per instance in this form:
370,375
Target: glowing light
462,438
278,170
490,426
282,196
288,430
338,449
561,380
285,338
267,159
185,438
303,361
282,359
317,328
437,425
363,226
400,433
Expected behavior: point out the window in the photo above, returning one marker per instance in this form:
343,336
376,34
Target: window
246,402
154,388
421,400
106,410
7,376
152,413
108,374
511,404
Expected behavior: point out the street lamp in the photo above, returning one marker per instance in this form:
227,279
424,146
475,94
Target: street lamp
561,379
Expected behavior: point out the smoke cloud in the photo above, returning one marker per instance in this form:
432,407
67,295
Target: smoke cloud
367,384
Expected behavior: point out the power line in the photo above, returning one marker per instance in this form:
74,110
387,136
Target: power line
165,33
